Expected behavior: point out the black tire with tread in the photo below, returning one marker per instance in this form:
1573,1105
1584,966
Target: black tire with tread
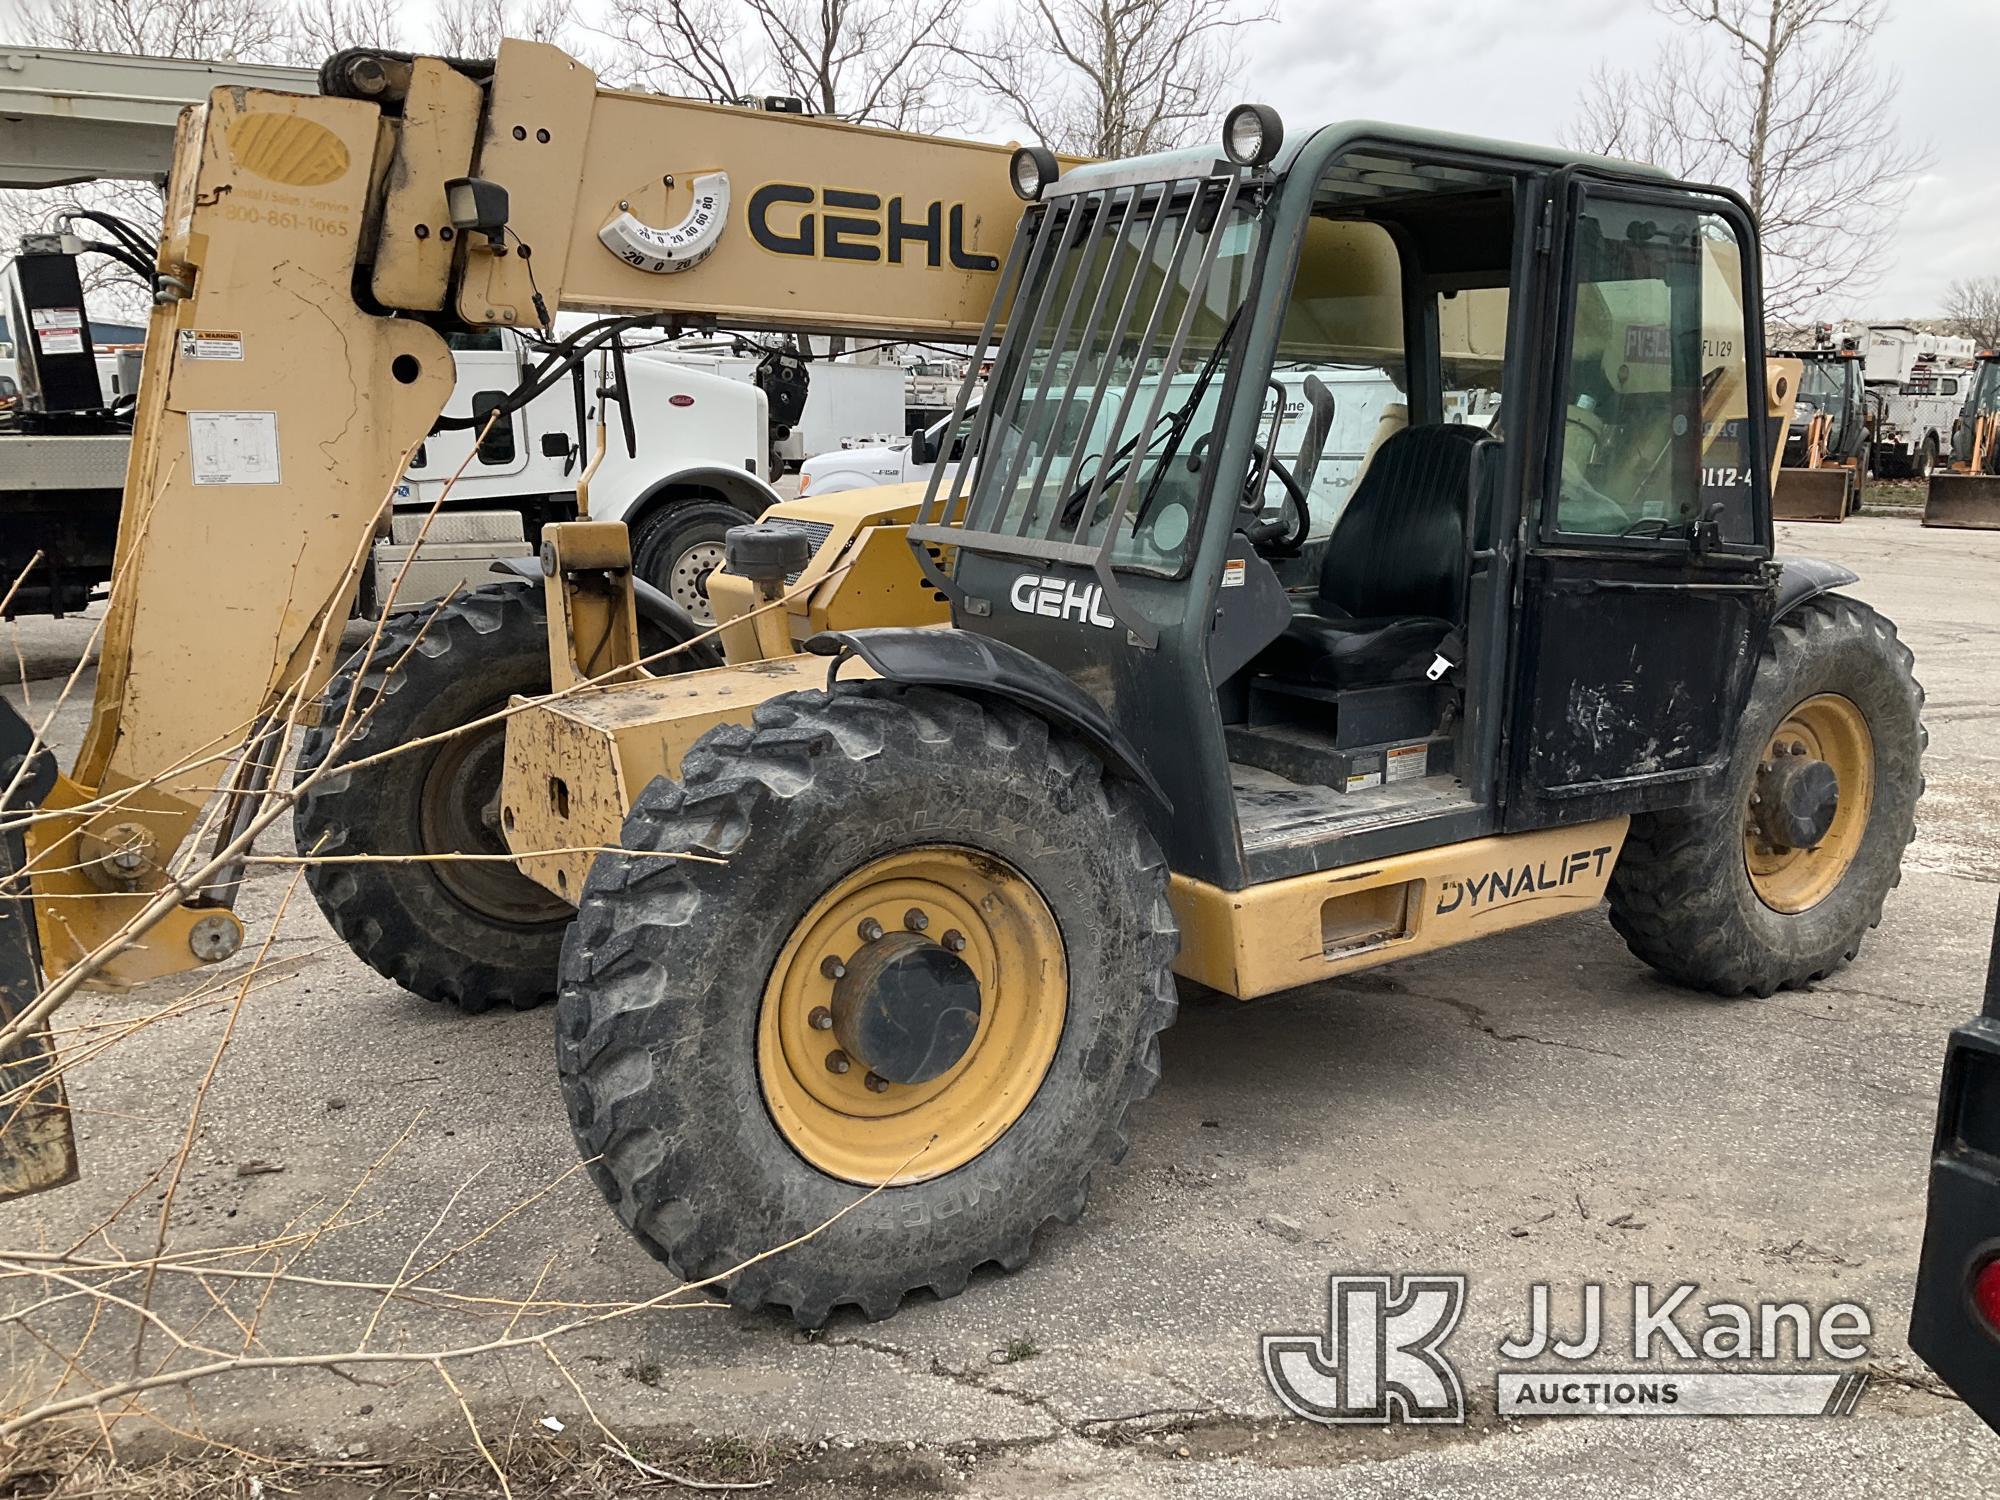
1681,895
433,668
665,970
660,538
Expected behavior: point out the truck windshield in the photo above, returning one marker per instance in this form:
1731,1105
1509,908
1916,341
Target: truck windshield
1119,348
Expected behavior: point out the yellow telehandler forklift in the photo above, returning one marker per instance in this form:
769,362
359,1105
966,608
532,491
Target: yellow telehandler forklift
1965,490
1152,679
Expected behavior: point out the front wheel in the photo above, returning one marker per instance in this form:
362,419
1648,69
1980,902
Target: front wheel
928,946
1774,881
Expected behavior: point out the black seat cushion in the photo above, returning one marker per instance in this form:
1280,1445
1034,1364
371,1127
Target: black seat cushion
1390,585
1353,653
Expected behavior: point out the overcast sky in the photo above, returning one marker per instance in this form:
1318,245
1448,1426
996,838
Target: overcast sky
1512,68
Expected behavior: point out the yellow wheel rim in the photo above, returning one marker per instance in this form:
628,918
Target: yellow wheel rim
1832,729
906,1133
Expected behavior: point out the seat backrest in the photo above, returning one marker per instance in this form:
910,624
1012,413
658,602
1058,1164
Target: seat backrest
1399,546
1395,417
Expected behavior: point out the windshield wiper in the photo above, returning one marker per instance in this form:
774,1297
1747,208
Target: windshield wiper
1177,424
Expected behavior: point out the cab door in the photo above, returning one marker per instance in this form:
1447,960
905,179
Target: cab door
1646,586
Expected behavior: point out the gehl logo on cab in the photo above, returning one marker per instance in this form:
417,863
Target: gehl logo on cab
1060,599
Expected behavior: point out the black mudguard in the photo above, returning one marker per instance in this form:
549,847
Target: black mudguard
1803,578
970,663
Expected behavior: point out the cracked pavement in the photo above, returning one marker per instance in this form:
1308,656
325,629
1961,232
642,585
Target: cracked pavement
1535,1107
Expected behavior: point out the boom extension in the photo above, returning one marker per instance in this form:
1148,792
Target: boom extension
317,251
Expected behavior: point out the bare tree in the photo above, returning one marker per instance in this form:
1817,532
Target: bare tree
1972,307
1781,100
320,28
473,28
226,30
220,30
1115,77
872,62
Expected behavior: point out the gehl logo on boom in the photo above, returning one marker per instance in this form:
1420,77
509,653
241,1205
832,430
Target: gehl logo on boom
790,218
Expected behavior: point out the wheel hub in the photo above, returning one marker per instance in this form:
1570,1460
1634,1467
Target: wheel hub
1807,812
1795,802
905,1008
911,1015
460,813
688,581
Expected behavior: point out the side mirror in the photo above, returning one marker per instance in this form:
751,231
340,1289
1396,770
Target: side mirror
923,450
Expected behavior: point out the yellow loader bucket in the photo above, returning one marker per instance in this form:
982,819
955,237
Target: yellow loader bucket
1813,494
1971,501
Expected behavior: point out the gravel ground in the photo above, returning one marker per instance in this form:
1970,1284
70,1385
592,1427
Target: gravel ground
1535,1108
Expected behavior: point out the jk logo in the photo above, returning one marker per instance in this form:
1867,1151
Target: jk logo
1378,1360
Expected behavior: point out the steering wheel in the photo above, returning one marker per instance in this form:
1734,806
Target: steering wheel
1286,534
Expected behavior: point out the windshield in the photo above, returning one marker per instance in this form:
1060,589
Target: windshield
1985,395
1822,384
1119,348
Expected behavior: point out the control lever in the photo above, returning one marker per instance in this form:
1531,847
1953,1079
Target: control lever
1318,427
618,392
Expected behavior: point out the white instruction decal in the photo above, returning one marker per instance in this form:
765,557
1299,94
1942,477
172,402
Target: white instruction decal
210,343
1235,573
233,447
59,330
1360,781
1408,762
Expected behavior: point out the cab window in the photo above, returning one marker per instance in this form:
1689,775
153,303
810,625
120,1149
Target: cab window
1340,367
1657,433
496,443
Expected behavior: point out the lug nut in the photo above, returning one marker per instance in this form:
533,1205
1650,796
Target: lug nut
954,941
870,930
877,1084
832,967
915,920
836,1062
821,1019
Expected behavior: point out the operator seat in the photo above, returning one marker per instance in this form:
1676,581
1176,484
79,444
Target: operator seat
1395,418
1391,583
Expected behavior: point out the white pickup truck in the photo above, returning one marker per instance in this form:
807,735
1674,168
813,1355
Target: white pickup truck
1360,395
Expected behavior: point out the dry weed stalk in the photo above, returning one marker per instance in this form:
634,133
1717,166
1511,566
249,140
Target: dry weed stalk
67,1302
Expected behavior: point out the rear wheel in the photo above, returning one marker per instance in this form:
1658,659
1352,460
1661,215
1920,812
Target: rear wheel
1927,465
936,955
675,550
1774,882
